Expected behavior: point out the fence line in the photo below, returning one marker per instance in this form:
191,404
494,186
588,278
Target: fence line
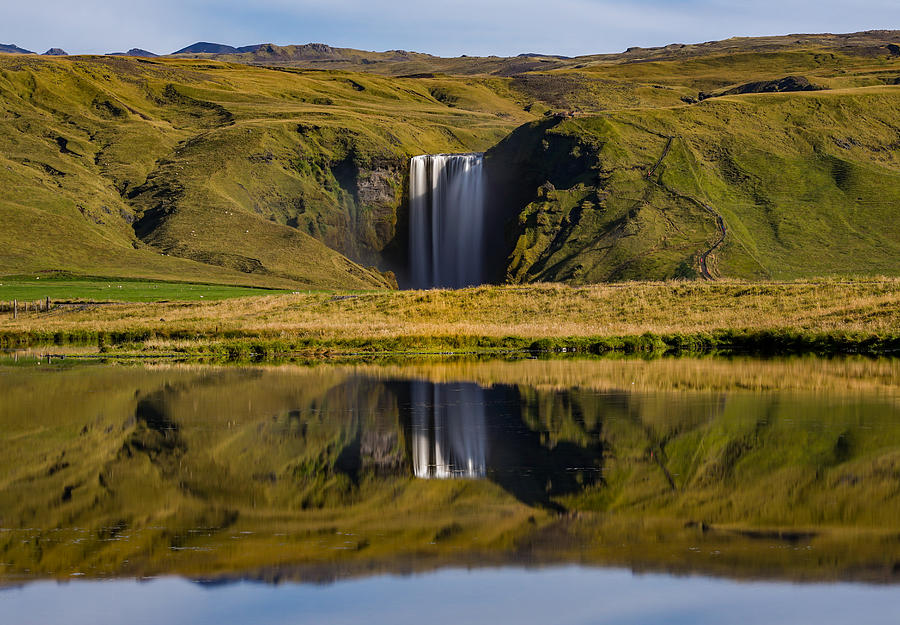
17,307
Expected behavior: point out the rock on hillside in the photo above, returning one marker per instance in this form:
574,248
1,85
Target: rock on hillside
781,85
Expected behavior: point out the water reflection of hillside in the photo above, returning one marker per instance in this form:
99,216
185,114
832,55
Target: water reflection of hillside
296,471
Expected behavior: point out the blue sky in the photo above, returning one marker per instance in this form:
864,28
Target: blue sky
447,27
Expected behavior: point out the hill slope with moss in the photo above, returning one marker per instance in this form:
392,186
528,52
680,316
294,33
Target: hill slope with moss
764,186
770,157
217,172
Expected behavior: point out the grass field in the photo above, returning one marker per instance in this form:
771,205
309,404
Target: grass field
819,315
112,290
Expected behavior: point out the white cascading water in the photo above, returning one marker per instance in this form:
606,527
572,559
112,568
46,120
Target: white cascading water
449,430
446,220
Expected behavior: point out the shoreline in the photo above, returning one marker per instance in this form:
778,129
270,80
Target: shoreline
127,345
825,317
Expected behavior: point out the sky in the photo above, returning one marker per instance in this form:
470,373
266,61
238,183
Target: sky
441,27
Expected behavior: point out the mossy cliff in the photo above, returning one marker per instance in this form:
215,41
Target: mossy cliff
757,186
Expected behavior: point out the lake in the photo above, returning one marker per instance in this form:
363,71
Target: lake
670,490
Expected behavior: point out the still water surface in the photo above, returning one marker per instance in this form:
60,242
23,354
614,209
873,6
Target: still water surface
565,596
740,490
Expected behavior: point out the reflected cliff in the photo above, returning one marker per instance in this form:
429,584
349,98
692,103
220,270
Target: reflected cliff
741,468
463,430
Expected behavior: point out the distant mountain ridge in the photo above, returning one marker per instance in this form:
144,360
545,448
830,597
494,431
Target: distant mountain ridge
872,43
134,52
205,47
11,48
402,62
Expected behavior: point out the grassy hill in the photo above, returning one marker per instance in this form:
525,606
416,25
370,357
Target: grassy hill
215,172
287,167
805,184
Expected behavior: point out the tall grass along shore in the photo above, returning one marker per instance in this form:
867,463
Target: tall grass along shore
822,316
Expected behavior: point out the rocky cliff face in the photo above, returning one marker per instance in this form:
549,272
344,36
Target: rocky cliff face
347,198
379,194
316,179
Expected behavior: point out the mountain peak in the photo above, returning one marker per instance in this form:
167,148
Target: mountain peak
11,48
205,47
134,52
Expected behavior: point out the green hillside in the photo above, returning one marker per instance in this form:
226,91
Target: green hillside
805,184
215,172
287,167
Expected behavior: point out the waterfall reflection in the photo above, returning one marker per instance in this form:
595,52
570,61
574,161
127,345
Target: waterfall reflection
463,430
448,430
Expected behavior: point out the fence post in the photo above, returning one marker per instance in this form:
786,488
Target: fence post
47,306
15,309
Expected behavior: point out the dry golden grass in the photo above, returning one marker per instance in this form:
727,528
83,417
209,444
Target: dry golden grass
867,306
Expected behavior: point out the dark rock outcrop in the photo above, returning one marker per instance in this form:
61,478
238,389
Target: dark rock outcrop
56,52
382,453
317,50
781,85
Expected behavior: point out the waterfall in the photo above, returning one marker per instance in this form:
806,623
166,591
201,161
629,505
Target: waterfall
446,219
449,430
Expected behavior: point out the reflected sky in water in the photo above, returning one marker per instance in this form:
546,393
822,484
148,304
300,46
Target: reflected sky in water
562,596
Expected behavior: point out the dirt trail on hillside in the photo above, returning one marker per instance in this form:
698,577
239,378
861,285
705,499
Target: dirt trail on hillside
720,224
720,221
659,161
